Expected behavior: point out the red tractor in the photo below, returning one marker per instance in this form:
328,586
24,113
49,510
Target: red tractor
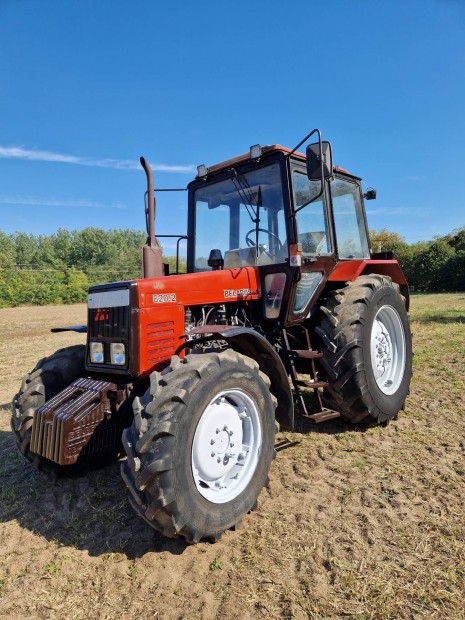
192,372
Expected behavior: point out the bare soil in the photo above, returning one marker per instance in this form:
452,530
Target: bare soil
356,523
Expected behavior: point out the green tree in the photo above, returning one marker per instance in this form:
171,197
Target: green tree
75,285
7,251
26,249
90,248
63,242
387,241
429,265
452,274
457,240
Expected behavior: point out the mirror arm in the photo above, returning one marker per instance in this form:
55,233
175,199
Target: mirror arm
322,175
305,139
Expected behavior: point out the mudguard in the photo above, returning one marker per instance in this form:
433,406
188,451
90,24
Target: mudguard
249,342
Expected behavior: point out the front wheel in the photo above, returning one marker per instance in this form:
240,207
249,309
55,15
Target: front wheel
51,375
201,445
367,349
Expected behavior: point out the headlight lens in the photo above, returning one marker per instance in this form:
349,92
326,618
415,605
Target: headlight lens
117,353
96,352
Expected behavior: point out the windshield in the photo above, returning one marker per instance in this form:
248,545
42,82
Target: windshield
243,217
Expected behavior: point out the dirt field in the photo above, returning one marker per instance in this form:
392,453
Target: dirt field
355,524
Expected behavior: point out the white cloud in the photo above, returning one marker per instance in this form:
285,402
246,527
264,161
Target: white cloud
18,152
80,203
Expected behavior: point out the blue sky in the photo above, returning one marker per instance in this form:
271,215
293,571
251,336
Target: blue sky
88,86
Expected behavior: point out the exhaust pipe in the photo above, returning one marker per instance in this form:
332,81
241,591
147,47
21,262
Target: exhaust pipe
152,262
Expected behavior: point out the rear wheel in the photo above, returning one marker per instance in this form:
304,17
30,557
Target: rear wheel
201,445
366,341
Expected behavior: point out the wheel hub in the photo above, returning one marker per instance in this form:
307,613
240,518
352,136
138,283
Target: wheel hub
215,452
382,348
226,446
388,350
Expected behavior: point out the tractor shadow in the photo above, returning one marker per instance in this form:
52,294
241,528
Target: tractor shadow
336,426
441,320
89,513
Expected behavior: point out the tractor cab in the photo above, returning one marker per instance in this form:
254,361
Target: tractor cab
282,211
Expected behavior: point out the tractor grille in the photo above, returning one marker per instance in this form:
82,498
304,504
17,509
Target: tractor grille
160,341
109,322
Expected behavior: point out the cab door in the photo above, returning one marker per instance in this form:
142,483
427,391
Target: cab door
314,233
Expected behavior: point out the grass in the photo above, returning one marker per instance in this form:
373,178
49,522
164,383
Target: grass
358,524
215,565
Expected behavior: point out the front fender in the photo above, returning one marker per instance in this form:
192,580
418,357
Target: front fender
249,342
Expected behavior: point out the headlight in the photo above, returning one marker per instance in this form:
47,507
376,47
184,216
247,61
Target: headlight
117,353
96,352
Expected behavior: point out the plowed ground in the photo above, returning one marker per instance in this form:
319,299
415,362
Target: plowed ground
355,524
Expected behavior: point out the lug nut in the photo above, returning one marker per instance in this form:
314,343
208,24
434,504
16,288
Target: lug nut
212,442
213,454
218,460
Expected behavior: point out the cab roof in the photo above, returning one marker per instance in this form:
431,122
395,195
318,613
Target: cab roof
240,159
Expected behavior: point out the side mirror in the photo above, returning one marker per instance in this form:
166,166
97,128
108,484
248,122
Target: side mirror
314,162
370,194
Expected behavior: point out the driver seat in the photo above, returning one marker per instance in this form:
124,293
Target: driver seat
239,257
232,260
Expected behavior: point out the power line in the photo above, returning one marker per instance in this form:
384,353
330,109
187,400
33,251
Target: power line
64,269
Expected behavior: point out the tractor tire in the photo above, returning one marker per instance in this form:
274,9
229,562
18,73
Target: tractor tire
366,342
50,376
201,445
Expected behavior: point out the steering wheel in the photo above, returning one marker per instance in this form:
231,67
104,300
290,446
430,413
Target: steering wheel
251,243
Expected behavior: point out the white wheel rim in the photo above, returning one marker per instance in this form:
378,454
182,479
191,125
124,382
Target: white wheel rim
388,350
226,446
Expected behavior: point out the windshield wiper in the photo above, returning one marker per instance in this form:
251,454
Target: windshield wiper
243,188
249,200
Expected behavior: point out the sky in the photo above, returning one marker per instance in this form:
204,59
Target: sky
88,86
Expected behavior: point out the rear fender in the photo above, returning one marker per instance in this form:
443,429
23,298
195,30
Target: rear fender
350,270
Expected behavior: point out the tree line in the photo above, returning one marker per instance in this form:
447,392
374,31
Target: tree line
437,265
59,268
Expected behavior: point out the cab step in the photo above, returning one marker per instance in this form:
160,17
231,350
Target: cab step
314,385
322,416
313,382
307,354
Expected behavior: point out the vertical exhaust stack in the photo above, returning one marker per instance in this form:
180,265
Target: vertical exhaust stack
152,263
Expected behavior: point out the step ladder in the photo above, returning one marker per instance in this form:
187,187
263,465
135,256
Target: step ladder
313,381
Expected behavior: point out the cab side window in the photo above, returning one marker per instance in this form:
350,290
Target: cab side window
311,219
351,233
